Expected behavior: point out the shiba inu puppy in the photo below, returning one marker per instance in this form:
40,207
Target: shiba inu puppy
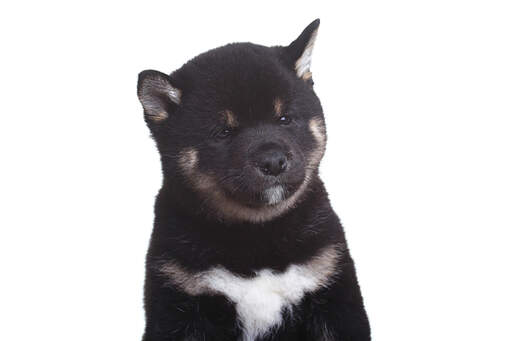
245,244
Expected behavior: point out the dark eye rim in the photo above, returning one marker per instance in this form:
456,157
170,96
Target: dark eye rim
225,133
284,120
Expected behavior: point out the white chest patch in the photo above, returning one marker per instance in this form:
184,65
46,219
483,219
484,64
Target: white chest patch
259,300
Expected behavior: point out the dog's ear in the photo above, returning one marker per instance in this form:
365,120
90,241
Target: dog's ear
298,54
158,96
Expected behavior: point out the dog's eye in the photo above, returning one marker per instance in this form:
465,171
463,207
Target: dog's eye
285,120
225,132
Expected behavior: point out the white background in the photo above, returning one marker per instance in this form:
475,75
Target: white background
418,102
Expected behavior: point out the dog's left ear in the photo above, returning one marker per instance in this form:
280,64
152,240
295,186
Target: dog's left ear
298,54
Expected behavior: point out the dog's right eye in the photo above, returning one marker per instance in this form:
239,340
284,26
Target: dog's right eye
285,120
225,132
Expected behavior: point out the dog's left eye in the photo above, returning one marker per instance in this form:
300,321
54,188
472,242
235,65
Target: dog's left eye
224,133
285,120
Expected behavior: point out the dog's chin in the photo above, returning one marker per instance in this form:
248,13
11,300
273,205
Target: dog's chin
273,195
267,196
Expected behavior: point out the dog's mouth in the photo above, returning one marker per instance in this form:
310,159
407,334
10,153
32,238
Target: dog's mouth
263,195
252,188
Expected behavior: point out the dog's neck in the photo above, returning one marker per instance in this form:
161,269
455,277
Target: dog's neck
242,247
184,199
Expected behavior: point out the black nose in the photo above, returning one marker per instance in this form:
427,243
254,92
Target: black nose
272,162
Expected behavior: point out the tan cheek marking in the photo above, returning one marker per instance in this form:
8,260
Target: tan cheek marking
278,107
317,128
188,159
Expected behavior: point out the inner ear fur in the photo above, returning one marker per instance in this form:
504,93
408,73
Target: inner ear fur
157,95
298,54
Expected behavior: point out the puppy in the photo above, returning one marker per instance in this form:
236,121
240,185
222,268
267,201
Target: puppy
245,244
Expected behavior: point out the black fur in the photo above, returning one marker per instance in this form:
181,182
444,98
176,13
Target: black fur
190,230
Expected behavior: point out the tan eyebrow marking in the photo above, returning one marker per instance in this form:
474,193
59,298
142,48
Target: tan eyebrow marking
307,75
230,118
278,107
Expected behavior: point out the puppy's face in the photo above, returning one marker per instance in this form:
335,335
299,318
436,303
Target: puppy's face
241,125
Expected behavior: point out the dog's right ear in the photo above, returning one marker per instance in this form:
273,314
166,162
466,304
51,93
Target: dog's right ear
297,55
158,96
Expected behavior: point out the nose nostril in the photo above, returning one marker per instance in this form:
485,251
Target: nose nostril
274,166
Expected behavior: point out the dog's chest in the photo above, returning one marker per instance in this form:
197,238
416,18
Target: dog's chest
260,300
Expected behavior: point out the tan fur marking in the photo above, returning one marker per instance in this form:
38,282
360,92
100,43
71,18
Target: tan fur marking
230,118
318,130
321,268
278,107
162,116
307,75
188,159
230,209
